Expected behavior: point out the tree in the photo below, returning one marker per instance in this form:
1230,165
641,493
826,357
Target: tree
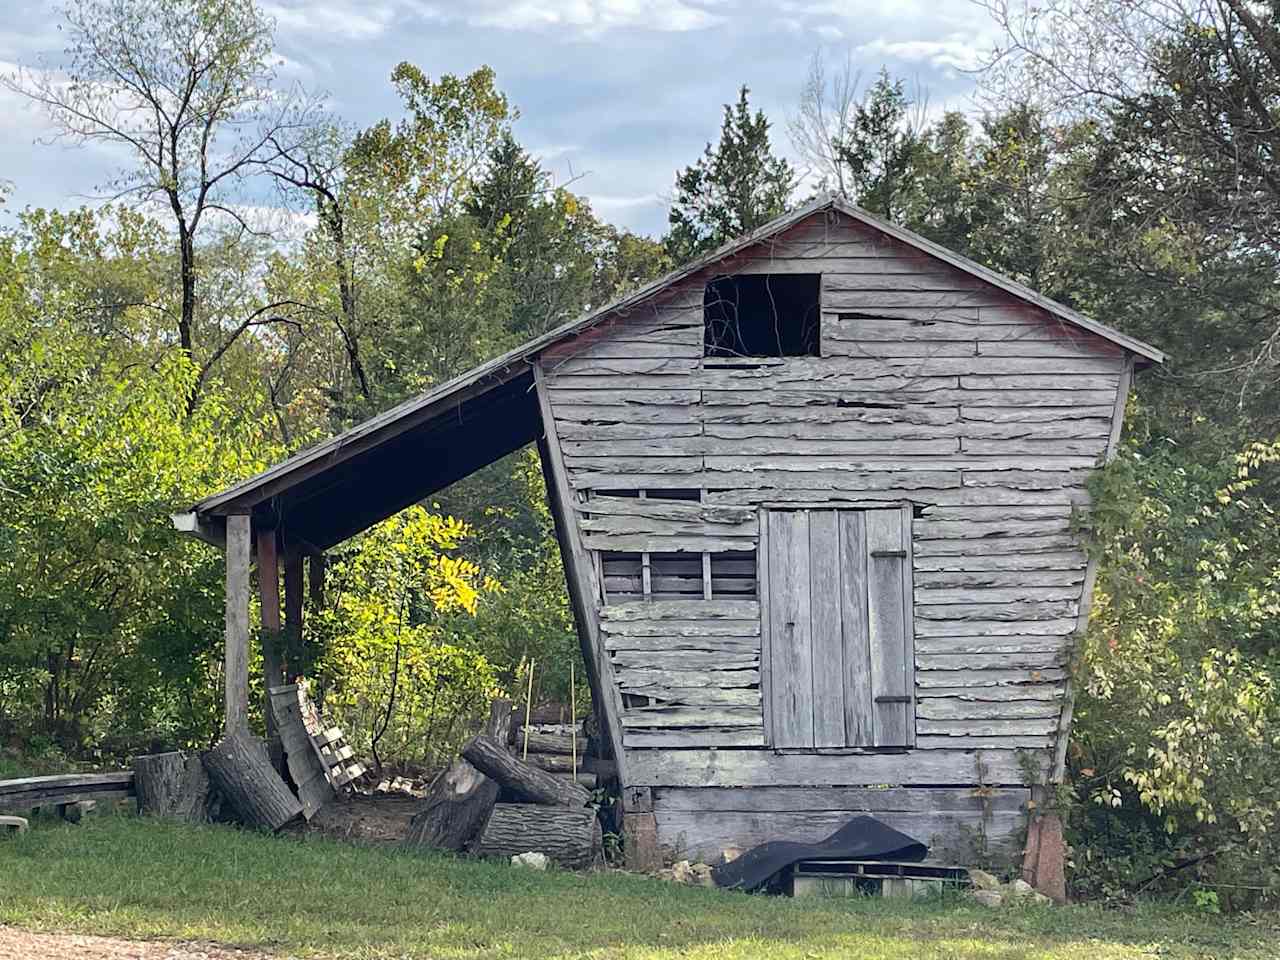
736,186
187,87
1185,94
878,148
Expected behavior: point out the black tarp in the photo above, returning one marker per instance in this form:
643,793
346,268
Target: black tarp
862,838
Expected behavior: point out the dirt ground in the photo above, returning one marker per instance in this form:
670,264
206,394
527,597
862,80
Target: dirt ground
23,945
378,818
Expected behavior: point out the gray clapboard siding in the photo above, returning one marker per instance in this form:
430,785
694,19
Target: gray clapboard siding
1051,692
696,737
791,799
640,677
987,644
750,768
637,717
658,626
955,708
970,674
934,595
1020,742
1050,626
974,727
1032,415
707,695
947,393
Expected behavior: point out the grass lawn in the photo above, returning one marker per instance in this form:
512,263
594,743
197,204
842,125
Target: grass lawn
125,877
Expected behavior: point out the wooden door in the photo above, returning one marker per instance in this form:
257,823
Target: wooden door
837,619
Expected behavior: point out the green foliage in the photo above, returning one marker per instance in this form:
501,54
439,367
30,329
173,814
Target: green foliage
393,673
736,186
107,621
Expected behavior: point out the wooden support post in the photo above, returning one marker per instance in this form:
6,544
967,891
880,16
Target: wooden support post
293,604
236,668
269,593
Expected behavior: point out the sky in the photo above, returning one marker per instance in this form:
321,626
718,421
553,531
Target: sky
615,94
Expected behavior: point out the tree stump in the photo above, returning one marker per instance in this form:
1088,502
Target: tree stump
569,837
157,782
524,780
240,769
175,787
459,799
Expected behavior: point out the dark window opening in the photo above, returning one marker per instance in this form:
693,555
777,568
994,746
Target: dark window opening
762,315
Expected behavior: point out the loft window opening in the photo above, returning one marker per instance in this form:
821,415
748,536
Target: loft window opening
762,315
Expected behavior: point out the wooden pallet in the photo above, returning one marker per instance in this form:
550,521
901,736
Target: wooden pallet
320,760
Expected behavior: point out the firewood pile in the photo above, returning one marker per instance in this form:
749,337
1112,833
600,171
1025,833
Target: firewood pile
492,803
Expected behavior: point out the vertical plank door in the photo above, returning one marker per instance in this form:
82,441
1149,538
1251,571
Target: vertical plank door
790,638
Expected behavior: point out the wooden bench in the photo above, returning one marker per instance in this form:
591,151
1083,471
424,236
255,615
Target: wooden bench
63,790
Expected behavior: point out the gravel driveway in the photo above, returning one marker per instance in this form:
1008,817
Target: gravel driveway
23,945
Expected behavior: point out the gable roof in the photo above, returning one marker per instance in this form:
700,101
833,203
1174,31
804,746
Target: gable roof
441,408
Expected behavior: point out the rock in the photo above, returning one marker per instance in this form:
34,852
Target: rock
1040,899
534,861
988,898
75,812
13,825
1020,890
727,855
982,880
700,874
682,872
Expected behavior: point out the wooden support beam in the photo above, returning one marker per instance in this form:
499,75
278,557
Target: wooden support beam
269,594
293,603
580,579
236,668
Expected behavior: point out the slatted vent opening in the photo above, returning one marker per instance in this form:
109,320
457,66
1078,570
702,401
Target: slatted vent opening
624,575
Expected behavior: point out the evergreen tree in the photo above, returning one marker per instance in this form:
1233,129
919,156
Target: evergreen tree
735,186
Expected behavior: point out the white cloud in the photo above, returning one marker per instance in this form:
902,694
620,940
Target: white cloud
346,19
585,17
956,51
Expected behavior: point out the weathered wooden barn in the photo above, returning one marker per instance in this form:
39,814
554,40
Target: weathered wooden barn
814,493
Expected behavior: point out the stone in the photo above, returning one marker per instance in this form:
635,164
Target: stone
682,871
534,861
988,898
1040,899
13,825
75,812
1020,889
700,874
982,880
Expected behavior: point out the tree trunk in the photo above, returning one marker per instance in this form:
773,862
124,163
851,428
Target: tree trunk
524,780
571,838
459,799
238,766
553,762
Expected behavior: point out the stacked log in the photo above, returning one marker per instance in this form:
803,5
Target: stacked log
548,812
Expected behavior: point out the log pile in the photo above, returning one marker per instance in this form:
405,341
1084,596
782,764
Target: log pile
466,808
